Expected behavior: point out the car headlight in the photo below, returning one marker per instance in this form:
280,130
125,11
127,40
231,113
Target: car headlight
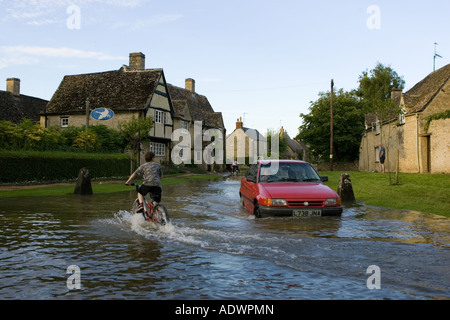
332,201
268,202
279,202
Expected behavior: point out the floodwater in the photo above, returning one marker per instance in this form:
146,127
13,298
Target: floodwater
213,249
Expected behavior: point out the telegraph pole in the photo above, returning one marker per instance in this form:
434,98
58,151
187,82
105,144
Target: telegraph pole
331,127
87,113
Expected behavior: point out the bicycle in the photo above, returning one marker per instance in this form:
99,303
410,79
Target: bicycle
153,211
235,171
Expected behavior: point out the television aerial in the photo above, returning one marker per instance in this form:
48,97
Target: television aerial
435,56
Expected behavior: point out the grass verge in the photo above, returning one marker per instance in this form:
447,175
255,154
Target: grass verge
420,192
97,187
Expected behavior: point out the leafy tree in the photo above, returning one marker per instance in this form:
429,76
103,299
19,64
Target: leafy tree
348,119
375,91
135,131
87,141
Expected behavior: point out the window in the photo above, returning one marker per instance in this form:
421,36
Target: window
159,149
401,116
64,122
376,127
159,116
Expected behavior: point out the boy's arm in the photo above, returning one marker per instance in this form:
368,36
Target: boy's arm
130,179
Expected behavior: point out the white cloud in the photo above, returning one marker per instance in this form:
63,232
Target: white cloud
20,55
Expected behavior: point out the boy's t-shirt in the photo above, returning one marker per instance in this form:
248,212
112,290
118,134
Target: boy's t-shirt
151,173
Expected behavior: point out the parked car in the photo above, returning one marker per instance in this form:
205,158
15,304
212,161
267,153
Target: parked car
287,188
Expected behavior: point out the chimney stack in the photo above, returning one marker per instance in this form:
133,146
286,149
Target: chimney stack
239,123
13,86
190,84
137,61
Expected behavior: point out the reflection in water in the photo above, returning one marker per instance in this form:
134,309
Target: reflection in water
215,250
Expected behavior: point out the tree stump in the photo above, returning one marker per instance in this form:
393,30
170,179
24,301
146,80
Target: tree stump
345,189
83,185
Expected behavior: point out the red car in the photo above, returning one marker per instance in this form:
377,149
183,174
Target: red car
287,188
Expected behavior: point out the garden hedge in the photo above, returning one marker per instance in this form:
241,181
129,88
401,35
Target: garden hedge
20,166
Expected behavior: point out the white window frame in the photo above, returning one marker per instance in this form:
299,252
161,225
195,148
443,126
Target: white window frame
159,116
64,122
159,149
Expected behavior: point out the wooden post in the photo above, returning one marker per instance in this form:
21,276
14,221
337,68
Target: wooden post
87,113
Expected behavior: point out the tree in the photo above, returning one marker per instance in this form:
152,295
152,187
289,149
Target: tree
135,131
375,91
348,115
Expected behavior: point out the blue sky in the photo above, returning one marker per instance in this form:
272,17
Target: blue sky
261,60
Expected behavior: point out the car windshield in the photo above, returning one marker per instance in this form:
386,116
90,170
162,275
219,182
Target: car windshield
288,172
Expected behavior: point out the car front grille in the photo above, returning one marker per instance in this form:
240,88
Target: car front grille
305,203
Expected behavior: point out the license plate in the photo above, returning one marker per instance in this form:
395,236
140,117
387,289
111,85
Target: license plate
307,213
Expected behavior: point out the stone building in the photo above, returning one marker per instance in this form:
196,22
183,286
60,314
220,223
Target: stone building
194,115
15,106
131,91
245,145
419,139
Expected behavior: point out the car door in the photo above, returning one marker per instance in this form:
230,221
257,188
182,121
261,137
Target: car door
248,186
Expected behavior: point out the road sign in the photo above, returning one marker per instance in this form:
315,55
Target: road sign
102,114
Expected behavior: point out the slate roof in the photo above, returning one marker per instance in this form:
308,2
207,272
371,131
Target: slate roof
15,108
119,90
199,107
420,96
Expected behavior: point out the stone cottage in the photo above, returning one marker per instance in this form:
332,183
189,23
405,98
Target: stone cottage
194,115
15,106
419,139
245,145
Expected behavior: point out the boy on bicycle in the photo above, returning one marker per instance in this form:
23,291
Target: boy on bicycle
151,173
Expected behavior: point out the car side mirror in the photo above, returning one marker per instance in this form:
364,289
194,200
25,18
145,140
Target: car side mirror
324,179
250,179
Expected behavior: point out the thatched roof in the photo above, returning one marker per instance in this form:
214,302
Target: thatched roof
15,108
420,96
119,90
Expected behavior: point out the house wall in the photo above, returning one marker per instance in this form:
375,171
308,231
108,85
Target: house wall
440,146
419,152
240,146
78,120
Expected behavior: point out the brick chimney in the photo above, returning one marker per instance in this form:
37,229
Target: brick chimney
13,86
239,123
137,61
190,84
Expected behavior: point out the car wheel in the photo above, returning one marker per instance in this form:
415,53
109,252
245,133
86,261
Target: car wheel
256,211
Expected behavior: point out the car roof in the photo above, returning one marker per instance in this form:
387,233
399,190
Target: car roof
282,161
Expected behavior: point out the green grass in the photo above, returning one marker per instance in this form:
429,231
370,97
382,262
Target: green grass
96,187
420,192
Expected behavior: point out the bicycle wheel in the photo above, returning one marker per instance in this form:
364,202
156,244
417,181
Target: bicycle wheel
160,214
135,206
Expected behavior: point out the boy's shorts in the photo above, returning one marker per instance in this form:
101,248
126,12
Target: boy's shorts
155,192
